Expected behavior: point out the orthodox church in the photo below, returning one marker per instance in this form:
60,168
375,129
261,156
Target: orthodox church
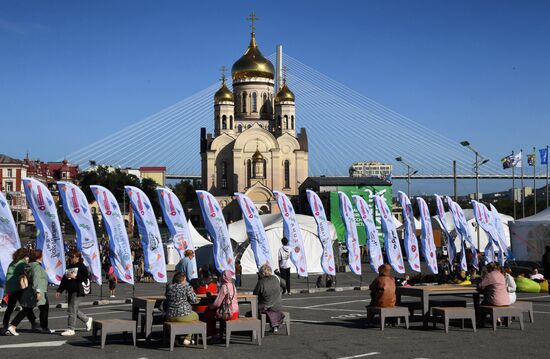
255,147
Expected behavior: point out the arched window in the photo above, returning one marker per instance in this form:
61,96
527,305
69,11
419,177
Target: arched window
287,174
224,175
254,102
224,122
249,126
265,168
244,101
248,172
292,122
264,102
279,124
240,128
230,122
285,122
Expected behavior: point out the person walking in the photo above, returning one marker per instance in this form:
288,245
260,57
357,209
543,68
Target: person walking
185,265
35,294
284,264
546,265
75,279
20,259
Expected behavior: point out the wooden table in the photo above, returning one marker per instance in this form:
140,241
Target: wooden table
424,293
241,298
146,304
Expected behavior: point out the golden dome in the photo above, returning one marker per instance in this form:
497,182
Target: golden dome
257,156
252,64
284,94
223,94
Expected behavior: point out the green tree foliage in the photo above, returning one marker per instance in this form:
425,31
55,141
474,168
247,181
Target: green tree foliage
185,192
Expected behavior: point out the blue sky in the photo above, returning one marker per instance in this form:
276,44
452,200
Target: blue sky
73,71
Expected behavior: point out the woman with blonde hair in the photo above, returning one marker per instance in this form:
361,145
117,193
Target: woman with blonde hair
268,290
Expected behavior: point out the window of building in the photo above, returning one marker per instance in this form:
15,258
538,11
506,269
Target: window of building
248,172
224,175
224,122
287,174
285,122
230,122
254,102
10,172
9,186
240,128
292,122
244,102
64,175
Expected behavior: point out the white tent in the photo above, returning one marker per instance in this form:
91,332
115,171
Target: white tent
472,228
530,235
273,224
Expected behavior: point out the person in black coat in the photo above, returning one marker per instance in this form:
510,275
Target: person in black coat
74,281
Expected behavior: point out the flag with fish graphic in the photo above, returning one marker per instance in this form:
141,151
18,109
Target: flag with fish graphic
151,242
411,242
49,238
461,226
292,232
217,228
174,217
373,242
323,232
119,246
501,233
427,236
484,219
76,207
391,240
9,237
256,232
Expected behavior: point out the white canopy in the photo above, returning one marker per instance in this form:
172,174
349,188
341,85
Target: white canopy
530,235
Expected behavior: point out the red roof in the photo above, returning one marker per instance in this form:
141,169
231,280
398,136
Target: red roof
152,169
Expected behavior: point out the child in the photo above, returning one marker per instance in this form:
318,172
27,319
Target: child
112,281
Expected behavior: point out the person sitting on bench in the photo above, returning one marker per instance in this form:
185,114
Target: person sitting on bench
493,287
382,288
179,297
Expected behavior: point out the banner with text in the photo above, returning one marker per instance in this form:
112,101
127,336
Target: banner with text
373,243
461,226
292,232
323,232
391,240
76,207
501,233
409,235
49,238
352,239
217,228
174,217
119,246
451,249
9,237
256,231
151,242
427,236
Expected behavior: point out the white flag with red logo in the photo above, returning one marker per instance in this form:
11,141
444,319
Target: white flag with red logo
373,241
151,242
352,239
119,246
427,237
411,242
217,228
174,217
9,238
49,238
292,232
256,231
391,240
76,207
323,232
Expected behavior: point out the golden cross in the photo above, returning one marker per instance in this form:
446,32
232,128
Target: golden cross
222,70
252,17
284,73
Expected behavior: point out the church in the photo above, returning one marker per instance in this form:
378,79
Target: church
255,147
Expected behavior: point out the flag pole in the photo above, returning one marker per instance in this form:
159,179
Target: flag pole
514,186
522,186
535,178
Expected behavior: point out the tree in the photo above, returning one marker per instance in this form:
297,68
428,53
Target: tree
185,192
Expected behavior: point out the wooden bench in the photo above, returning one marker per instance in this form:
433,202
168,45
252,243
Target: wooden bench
417,305
244,324
507,312
392,312
286,321
448,313
526,307
172,329
110,326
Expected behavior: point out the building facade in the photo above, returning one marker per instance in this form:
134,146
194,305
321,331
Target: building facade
370,169
255,147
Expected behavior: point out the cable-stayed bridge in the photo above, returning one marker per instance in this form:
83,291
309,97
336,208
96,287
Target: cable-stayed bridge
343,127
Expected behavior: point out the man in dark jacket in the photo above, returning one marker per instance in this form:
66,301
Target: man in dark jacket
76,276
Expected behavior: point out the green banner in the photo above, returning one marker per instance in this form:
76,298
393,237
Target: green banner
365,192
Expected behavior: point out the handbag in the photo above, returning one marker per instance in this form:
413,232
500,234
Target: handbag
86,287
225,311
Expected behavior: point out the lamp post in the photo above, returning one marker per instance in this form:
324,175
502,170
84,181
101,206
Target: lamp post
477,164
409,174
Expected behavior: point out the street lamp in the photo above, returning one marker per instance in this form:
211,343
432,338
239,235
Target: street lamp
409,174
476,168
